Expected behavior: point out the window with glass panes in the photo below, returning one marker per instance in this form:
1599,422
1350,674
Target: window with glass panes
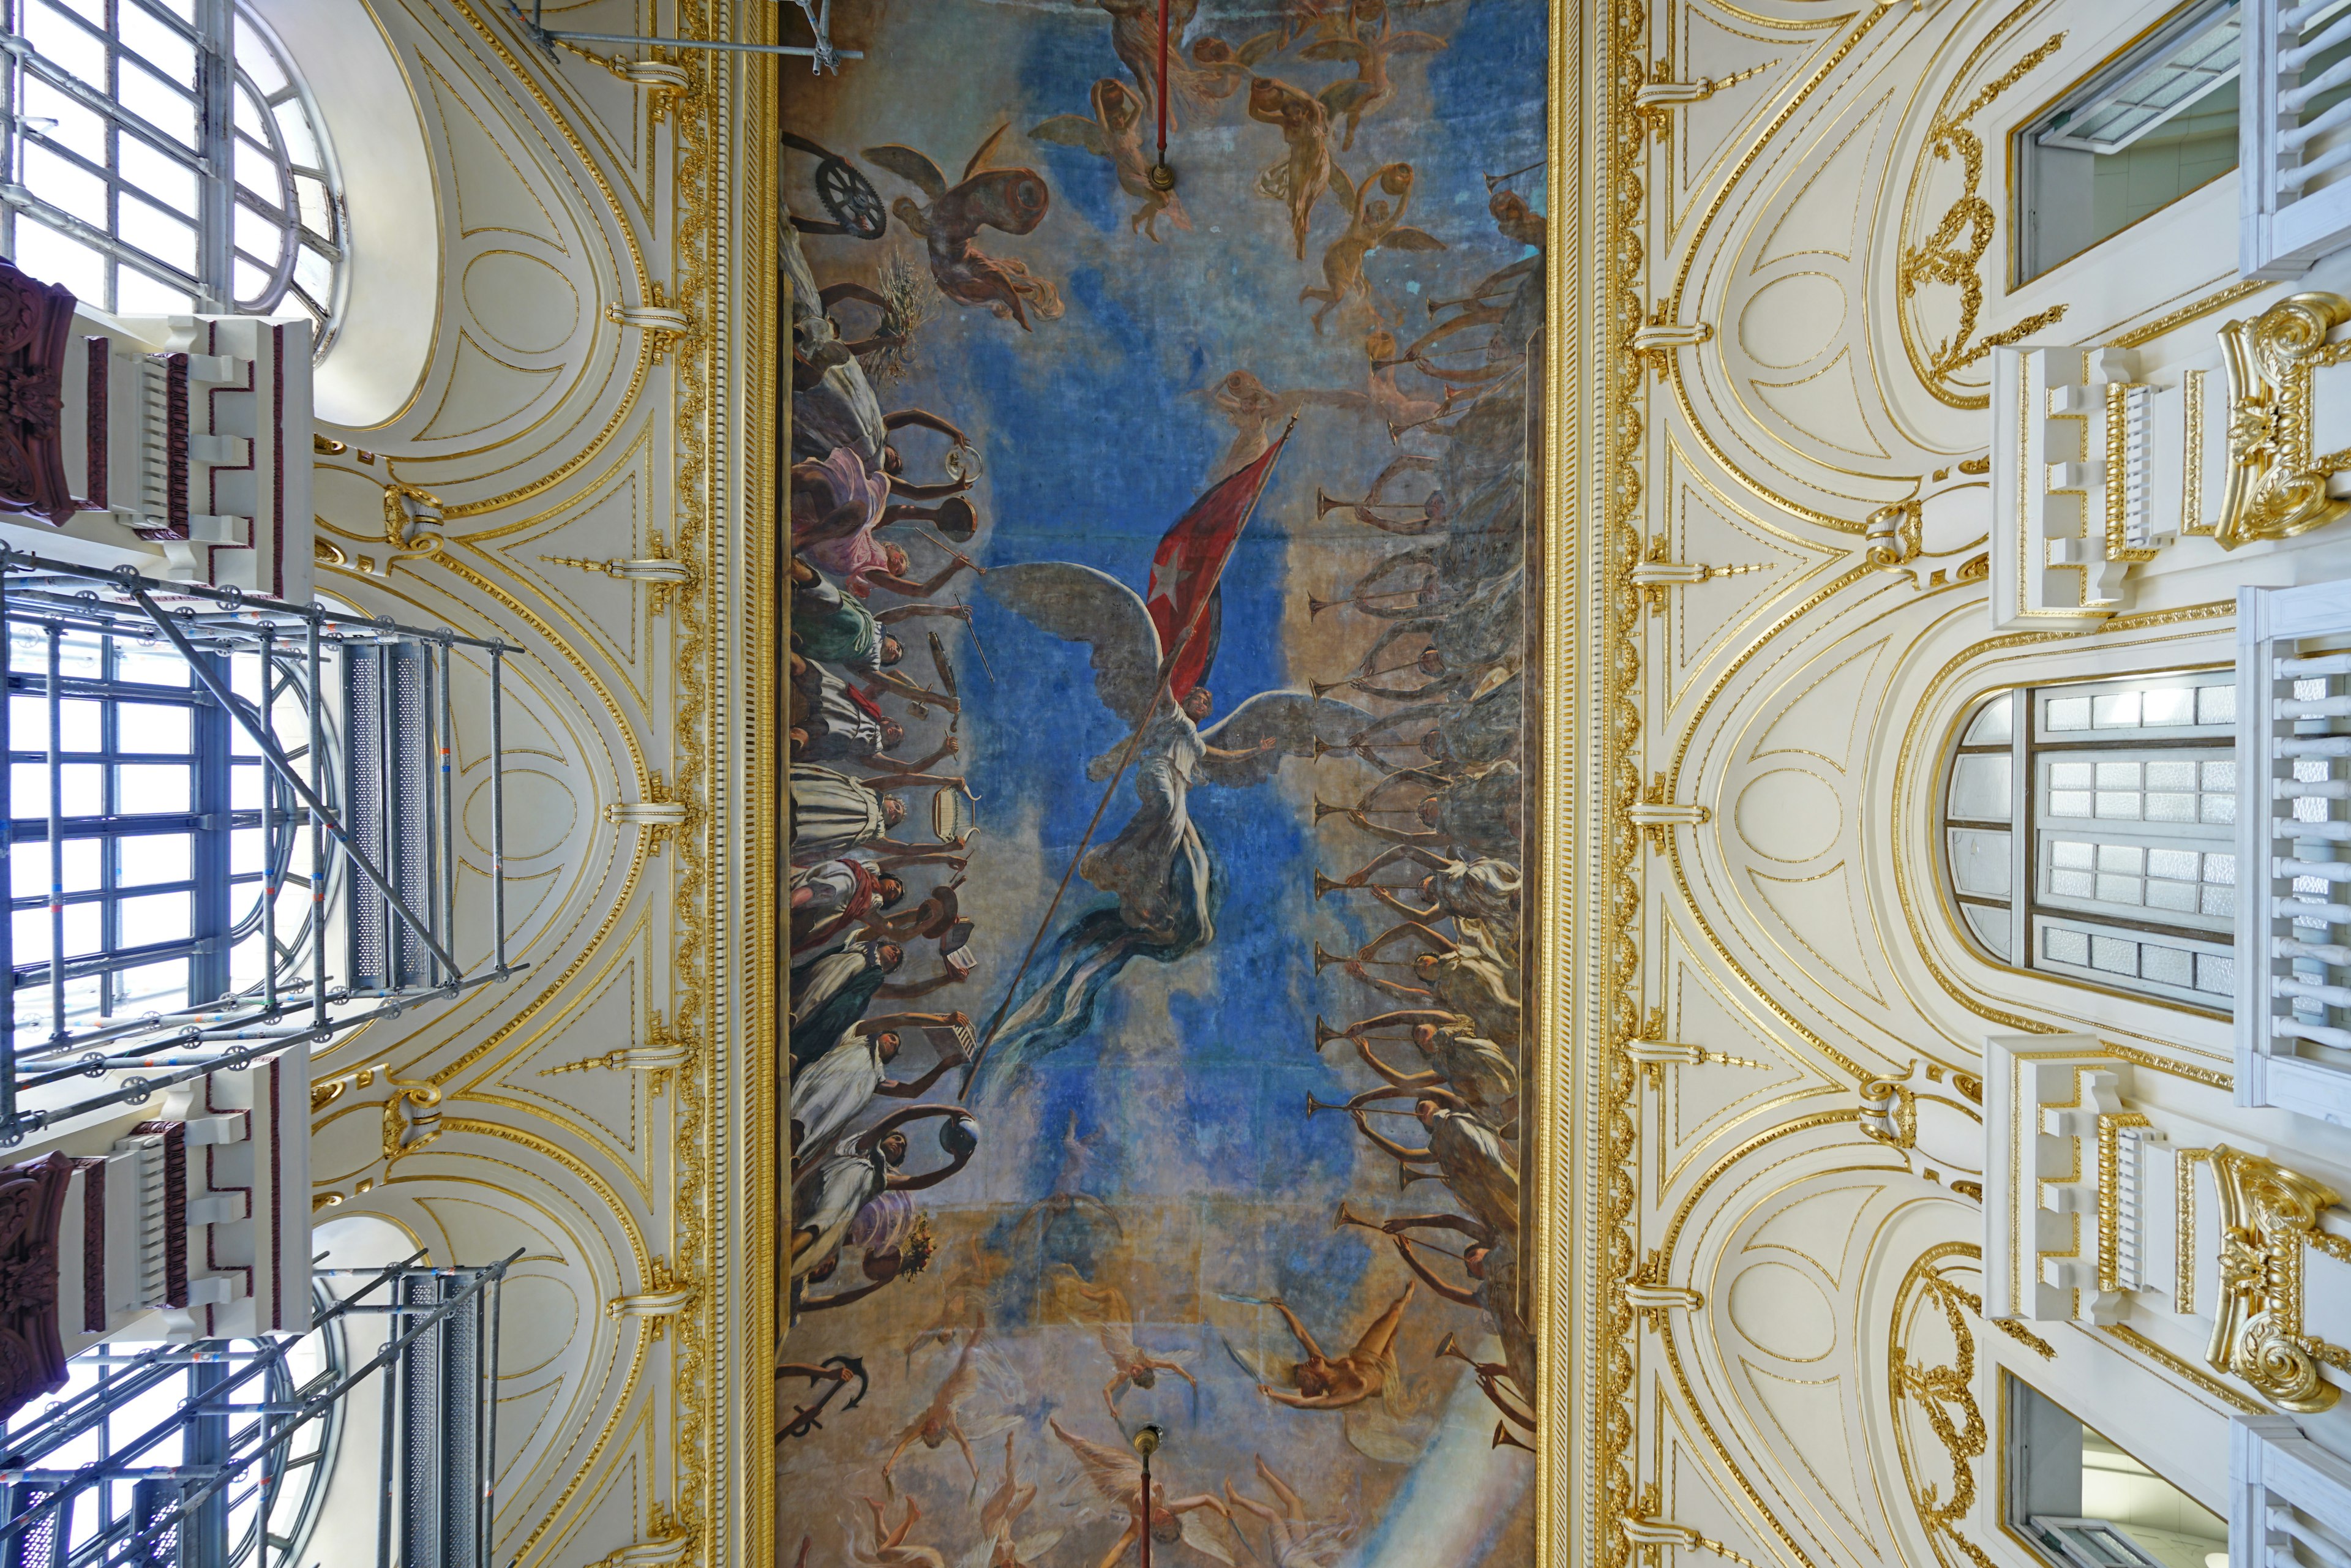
167,835
2089,833
163,157
262,1519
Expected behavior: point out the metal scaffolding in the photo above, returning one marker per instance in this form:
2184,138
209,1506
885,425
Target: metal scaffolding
353,730
149,1463
820,54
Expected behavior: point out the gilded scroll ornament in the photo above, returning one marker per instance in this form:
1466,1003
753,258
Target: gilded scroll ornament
1937,1388
662,812
2267,1215
1952,255
2277,485
411,522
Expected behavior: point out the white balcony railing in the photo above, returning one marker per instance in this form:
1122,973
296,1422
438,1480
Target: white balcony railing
2294,903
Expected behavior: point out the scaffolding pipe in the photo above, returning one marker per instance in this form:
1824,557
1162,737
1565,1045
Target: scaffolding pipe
57,844
497,809
275,758
317,843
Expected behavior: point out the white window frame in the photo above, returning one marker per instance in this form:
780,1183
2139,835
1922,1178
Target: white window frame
2033,909
2291,913
2284,228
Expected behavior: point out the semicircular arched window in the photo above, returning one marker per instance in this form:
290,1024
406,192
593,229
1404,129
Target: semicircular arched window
2088,833
164,158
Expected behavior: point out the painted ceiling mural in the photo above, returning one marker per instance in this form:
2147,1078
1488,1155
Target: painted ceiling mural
1158,583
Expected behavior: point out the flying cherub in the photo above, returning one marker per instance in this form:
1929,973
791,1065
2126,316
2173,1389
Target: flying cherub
1293,1538
1000,1515
1106,1309
1304,172
1116,1476
1366,1386
1115,133
1135,38
890,1548
1013,200
1332,1383
1224,68
976,1370
1255,409
1369,55
1374,227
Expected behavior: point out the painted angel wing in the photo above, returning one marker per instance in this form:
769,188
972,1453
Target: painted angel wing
1114,1473
1031,1547
1341,97
1410,239
1413,44
1338,49
914,168
1257,48
1244,1333
1376,1432
999,1390
1200,1539
1079,604
1342,187
1294,720
1072,131
980,159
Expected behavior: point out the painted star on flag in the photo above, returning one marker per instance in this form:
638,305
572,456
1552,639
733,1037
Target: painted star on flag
1167,580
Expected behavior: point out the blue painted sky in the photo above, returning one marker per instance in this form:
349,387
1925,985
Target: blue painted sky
1098,433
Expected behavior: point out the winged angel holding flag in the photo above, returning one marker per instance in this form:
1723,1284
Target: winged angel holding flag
1150,656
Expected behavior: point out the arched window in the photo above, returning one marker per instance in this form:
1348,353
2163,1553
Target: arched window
126,1411
170,833
164,158
2088,833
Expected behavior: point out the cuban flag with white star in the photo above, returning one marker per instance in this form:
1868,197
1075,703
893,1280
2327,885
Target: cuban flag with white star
1190,561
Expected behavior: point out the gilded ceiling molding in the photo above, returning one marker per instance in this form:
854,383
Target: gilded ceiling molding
1618,428
698,1503
1670,302
1952,256
2194,310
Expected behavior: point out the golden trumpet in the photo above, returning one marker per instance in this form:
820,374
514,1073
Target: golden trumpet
1324,959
